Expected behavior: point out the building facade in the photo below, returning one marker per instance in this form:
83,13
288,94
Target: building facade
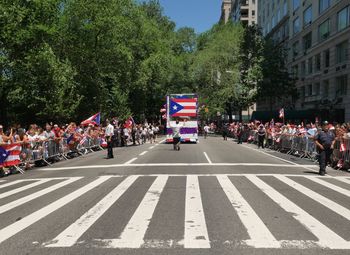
225,10
317,36
244,11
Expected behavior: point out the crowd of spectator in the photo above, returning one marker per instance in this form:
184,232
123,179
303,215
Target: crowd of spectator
271,129
34,138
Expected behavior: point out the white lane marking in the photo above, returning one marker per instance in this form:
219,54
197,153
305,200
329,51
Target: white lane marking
13,183
143,153
27,221
171,164
207,157
152,147
20,189
162,141
341,210
343,179
130,161
196,233
326,237
134,232
331,186
71,234
148,243
260,236
26,199
284,160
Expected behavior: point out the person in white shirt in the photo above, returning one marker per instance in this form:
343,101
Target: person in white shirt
109,133
177,133
206,130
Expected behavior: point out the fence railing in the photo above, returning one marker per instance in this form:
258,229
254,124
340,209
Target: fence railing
304,146
55,150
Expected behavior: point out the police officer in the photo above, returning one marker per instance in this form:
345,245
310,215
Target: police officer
109,133
324,141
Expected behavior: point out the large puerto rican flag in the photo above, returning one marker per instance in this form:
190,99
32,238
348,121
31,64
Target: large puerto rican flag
183,107
9,155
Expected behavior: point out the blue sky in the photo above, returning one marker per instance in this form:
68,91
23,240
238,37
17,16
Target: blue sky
198,14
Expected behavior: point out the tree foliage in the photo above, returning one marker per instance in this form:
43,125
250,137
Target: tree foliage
63,60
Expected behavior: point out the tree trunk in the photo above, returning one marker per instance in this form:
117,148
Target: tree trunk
230,112
240,114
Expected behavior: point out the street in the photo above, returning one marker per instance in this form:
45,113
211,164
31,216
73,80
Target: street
214,197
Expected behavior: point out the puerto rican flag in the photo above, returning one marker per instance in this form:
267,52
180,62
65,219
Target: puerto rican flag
9,155
94,119
183,107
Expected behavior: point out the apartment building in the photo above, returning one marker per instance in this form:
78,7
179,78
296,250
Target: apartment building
317,36
225,10
244,11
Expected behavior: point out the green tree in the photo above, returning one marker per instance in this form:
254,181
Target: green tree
277,85
216,66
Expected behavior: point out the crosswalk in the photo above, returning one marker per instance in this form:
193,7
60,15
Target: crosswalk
288,193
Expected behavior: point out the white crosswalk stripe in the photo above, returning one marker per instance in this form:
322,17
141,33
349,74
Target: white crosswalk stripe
18,226
35,195
327,238
71,235
133,234
331,186
341,210
258,232
196,234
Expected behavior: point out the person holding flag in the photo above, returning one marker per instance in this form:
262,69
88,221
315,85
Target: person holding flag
177,133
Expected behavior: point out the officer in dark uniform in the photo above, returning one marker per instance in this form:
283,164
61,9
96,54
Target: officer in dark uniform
324,141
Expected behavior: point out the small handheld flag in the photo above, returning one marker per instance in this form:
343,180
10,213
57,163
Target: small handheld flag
94,119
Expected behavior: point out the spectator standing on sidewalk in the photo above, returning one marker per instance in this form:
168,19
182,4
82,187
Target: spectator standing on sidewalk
240,131
324,140
109,133
225,132
261,136
206,130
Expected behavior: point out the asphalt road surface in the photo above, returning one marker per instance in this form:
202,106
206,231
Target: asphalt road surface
214,197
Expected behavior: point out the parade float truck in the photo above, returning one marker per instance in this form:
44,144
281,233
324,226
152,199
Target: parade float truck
181,107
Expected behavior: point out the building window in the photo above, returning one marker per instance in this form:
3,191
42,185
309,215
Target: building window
324,4
316,89
318,62
302,92
341,85
296,4
296,25
343,19
295,71
309,90
308,16
323,30
303,68
307,41
273,21
326,58
285,8
310,65
342,52
278,15
325,88
295,49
